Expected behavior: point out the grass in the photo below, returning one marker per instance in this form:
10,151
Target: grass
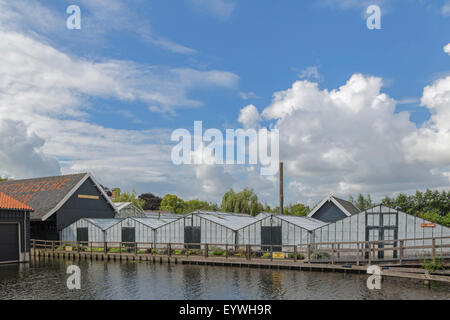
433,264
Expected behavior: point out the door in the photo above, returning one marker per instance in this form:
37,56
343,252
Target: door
271,236
82,234
9,242
192,235
128,234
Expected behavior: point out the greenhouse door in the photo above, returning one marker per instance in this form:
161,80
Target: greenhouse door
128,235
271,236
192,235
82,234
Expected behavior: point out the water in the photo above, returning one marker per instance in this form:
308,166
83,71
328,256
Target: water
46,279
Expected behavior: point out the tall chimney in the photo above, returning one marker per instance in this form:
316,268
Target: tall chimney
281,189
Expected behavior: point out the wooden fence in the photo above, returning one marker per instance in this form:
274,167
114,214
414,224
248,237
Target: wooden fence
362,252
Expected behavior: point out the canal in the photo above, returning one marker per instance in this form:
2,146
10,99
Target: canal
46,279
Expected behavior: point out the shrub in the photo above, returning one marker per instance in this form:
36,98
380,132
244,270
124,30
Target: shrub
266,255
299,256
434,264
319,256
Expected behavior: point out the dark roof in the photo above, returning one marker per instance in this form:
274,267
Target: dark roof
9,203
42,194
350,207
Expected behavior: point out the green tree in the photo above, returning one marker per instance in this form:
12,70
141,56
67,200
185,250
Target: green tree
127,197
245,201
192,205
298,209
172,203
362,203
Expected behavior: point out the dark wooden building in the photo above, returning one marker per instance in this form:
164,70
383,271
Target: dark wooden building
59,201
332,209
14,230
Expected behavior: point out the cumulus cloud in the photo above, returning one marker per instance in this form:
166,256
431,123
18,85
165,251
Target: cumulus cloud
447,49
431,143
249,117
348,140
21,154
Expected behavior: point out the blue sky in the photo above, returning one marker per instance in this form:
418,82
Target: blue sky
168,63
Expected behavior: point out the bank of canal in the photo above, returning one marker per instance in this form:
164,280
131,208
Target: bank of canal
46,279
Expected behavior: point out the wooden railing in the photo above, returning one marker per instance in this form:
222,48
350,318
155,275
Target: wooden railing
358,252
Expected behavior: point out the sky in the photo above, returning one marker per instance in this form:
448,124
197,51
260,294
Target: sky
358,110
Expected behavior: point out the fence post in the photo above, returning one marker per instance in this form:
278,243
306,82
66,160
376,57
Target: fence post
206,250
169,249
135,248
338,252
332,253
78,246
309,252
369,250
295,253
401,251
53,246
357,254
271,252
226,251
249,252
433,241
105,247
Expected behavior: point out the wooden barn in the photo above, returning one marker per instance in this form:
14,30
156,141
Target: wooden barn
14,230
332,209
59,201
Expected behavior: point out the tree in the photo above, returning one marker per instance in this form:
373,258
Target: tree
245,201
362,203
127,197
172,203
192,205
298,209
152,202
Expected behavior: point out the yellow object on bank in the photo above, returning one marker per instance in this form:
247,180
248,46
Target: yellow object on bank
68,248
278,255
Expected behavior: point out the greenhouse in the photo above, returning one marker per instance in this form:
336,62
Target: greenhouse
384,224
278,230
140,230
206,227
95,230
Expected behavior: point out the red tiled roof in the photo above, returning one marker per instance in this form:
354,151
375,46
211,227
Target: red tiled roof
7,202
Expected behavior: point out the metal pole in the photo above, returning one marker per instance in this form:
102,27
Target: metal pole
281,189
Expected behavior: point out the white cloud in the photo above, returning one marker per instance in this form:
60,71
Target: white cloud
431,143
247,95
447,48
99,18
310,73
349,140
249,117
445,10
21,152
50,93
219,8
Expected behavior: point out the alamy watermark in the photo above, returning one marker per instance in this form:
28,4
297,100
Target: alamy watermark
74,20
374,281
374,19
210,147
74,280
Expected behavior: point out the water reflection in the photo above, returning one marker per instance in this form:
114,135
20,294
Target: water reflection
46,279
